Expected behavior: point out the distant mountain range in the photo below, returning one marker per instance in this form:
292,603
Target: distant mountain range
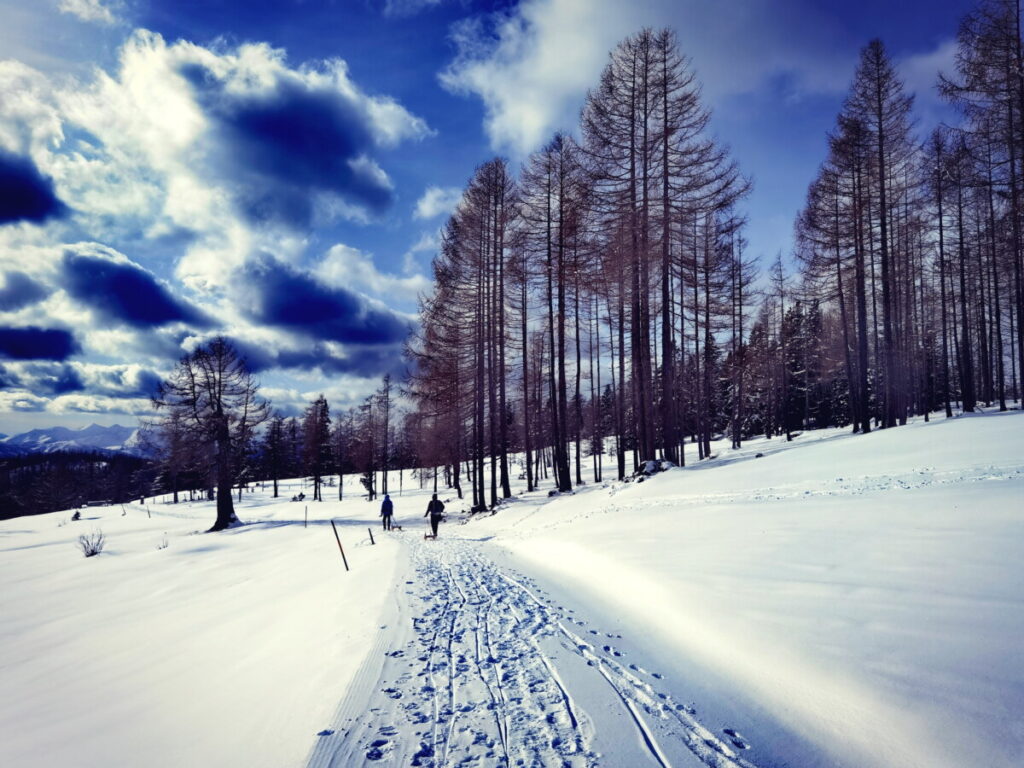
113,439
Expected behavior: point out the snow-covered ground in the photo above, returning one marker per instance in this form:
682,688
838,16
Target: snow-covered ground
839,601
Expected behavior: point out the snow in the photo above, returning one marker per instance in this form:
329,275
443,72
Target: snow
840,601
215,650
865,591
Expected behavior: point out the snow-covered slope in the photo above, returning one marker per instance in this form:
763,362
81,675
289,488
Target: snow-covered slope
863,592
175,648
849,601
113,438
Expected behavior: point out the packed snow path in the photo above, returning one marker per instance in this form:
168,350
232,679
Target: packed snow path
482,668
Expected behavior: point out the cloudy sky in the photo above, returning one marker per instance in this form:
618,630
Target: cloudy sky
276,170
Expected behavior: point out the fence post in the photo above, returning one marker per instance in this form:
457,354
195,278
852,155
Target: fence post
343,558
371,536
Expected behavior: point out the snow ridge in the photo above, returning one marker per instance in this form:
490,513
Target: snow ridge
95,437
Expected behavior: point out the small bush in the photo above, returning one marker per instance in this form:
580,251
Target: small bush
92,544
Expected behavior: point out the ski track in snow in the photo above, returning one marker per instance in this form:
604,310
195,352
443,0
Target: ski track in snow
477,682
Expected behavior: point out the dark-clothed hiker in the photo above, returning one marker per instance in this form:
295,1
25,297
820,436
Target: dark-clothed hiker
386,510
435,508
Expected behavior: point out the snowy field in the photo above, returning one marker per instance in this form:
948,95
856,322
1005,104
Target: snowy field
842,600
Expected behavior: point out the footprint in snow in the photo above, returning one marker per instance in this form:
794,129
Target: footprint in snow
378,750
425,752
736,738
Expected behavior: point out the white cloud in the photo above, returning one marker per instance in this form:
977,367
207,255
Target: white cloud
140,154
139,149
531,69
920,74
532,65
117,379
30,121
21,400
344,391
100,404
437,201
98,11
30,250
428,242
351,268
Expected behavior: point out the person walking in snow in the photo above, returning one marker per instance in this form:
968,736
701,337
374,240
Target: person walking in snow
387,508
435,509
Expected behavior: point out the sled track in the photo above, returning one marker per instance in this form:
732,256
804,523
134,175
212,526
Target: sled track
478,683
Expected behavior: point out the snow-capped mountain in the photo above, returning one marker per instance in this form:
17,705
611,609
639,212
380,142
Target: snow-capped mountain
95,437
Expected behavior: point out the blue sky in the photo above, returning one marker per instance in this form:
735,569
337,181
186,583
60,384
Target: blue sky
277,170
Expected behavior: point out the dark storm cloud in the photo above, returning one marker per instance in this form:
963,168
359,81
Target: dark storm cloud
146,384
288,298
19,291
32,343
119,381
55,378
124,292
25,194
8,379
290,142
50,379
364,363
42,378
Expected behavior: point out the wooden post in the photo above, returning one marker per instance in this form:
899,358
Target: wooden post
343,558
305,519
147,512
371,536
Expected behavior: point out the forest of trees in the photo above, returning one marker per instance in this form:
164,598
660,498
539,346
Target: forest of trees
214,432
369,440
603,302
49,482
600,304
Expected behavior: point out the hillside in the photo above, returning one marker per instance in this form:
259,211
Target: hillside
839,601
94,437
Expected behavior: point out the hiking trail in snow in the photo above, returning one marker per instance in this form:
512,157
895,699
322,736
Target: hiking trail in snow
481,668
